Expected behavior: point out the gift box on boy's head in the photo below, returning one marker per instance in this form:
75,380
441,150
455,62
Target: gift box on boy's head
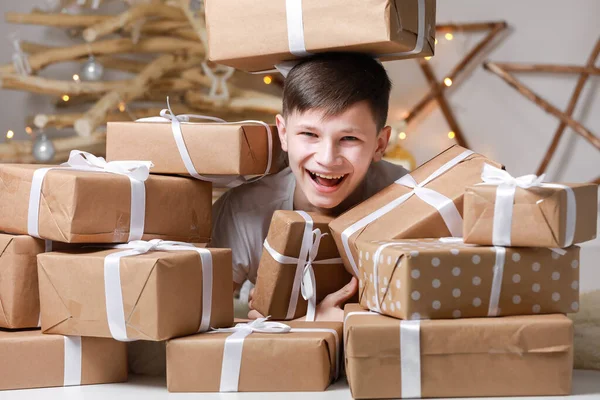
253,37
19,295
468,357
31,359
445,278
260,356
143,290
91,201
526,211
300,265
427,203
196,148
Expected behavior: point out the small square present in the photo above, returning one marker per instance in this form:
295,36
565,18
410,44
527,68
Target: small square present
467,357
300,265
143,290
445,278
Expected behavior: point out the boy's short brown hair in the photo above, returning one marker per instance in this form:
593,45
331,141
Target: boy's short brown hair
335,81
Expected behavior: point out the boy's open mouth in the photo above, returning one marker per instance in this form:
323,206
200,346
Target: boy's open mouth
329,181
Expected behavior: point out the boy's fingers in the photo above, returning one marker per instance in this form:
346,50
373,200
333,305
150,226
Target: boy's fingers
251,295
338,298
253,314
250,305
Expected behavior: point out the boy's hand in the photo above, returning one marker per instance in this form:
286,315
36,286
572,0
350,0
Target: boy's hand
252,314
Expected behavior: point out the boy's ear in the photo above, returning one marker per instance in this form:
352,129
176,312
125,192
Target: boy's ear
281,131
382,141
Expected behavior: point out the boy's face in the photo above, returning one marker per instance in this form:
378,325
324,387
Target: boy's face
330,156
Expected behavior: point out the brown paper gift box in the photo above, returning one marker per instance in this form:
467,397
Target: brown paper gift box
251,38
271,362
539,215
31,359
217,149
274,281
162,293
414,218
19,295
93,207
468,357
427,279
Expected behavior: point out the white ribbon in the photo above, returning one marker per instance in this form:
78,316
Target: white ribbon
234,345
112,281
441,203
420,42
505,196
136,171
167,115
72,363
304,280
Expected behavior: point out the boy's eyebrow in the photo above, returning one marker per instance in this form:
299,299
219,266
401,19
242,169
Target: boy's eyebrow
350,129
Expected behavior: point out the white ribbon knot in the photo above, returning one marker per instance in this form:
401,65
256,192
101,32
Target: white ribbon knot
82,160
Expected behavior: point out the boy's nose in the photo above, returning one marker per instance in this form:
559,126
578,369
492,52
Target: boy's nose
328,155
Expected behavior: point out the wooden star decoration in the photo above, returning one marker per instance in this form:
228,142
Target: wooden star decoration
503,70
438,88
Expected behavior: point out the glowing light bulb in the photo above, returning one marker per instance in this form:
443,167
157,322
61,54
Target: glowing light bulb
267,80
428,58
122,106
402,135
76,78
448,82
451,135
28,130
436,41
10,134
65,97
449,36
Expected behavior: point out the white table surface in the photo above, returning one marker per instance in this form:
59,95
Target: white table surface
586,385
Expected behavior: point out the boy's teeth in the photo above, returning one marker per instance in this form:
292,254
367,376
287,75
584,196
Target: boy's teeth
328,176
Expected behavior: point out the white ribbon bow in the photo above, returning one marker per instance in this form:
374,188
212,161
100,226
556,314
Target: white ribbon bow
112,281
505,196
167,115
136,171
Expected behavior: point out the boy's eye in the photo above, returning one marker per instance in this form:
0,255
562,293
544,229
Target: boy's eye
309,134
350,138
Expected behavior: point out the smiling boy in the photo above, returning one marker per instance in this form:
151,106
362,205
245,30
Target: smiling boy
333,129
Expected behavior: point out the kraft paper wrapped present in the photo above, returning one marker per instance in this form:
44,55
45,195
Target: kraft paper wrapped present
260,356
254,37
427,203
91,201
445,278
467,357
300,265
19,295
31,359
526,211
196,148
143,290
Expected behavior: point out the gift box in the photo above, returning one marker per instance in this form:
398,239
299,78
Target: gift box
300,265
252,38
468,357
526,211
234,148
297,356
427,203
144,291
19,295
433,279
93,205
31,359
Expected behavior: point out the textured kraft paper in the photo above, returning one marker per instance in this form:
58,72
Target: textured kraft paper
414,218
215,149
252,38
470,357
539,215
274,281
31,359
426,279
19,295
162,293
271,362
95,207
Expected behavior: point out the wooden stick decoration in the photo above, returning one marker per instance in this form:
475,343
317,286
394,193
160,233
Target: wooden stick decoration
196,20
551,68
58,20
20,151
36,84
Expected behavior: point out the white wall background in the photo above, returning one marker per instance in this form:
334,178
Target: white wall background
496,120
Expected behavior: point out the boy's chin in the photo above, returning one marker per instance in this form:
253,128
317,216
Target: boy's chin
324,202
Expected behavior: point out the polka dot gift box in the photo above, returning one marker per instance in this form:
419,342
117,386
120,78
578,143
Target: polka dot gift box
445,278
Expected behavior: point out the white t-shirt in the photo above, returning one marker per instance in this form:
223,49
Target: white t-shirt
241,217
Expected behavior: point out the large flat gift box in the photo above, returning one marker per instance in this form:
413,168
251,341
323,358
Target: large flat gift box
95,207
19,295
252,38
214,149
469,357
301,360
163,292
427,203
548,215
429,278
278,290
31,359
